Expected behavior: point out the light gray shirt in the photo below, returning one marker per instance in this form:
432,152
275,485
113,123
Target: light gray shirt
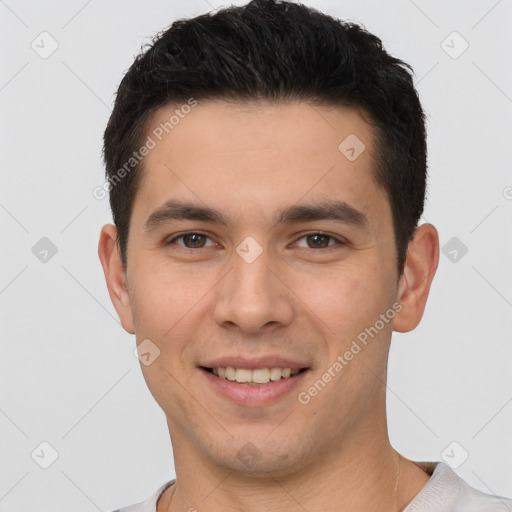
444,492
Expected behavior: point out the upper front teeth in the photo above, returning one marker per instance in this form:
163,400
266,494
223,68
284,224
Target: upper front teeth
259,376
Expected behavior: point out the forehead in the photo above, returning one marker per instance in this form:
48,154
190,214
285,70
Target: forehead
233,127
266,154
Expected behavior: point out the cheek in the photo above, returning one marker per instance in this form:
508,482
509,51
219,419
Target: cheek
349,303
168,306
163,296
347,299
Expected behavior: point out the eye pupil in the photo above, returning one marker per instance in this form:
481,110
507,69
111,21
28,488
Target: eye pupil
319,240
195,239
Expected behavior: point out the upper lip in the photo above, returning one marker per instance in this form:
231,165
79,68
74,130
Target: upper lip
253,363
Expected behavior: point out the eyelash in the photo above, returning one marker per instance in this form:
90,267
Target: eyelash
338,241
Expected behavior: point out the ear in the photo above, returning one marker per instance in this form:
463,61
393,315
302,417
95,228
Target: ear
419,270
115,276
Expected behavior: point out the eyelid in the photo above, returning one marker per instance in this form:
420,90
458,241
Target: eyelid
340,241
177,236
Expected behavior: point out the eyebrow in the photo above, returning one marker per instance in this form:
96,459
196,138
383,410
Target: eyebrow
338,211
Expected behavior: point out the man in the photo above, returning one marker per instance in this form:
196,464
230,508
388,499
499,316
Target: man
267,170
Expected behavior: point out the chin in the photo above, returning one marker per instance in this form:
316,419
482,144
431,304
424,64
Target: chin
260,457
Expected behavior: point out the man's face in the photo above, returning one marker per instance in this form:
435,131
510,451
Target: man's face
282,283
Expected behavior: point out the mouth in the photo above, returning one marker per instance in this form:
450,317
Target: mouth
254,377
253,387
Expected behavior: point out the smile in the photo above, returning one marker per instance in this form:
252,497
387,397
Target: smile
256,376
253,387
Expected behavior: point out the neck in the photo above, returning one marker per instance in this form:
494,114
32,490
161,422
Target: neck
361,475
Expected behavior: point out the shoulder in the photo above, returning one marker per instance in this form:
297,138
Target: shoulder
448,492
150,504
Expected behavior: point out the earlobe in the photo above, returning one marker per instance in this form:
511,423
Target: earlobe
115,276
419,270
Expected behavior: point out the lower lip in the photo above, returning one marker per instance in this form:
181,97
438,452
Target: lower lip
263,394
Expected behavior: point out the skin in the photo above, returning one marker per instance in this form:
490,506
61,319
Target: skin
296,300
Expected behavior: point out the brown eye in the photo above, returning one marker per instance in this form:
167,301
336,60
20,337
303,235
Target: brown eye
192,241
318,241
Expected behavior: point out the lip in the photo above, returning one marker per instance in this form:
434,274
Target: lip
245,395
254,363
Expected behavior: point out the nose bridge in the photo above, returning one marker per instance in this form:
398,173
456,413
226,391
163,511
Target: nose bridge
252,275
251,295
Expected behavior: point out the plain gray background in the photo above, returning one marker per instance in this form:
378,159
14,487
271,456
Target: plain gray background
68,376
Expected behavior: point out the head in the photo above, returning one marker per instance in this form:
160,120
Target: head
274,175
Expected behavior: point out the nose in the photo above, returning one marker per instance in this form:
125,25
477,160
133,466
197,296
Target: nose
253,297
